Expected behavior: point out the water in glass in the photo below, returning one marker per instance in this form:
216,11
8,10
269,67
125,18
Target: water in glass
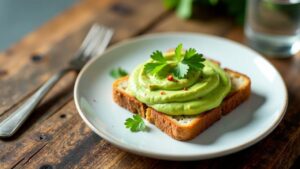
273,26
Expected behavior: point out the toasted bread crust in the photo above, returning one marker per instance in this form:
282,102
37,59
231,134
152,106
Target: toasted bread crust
127,101
168,125
234,99
187,132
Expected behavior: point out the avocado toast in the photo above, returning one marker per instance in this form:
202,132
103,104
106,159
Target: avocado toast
182,105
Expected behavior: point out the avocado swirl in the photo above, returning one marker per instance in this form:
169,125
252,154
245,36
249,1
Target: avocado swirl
198,92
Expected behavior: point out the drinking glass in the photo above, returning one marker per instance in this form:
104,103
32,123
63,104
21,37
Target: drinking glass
273,26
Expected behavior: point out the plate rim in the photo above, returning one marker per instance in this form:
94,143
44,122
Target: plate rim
249,143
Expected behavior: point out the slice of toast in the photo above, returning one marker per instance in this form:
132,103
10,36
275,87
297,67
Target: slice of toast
184,127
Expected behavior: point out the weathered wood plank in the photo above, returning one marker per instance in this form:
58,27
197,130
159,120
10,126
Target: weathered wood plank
24,75
76,146
65,146
127,19
61,93
31,75
33,142
40,40
217,26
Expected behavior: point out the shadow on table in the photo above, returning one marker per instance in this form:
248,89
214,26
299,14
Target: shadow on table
240,117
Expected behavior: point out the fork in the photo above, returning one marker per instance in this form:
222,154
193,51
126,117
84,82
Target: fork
94,44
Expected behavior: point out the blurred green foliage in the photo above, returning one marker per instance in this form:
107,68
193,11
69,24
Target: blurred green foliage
184,8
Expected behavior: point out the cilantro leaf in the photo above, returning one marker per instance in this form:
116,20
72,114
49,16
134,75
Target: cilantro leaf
194,61
118,72
149,67
135,124
180,66
181,70
190,52
160,62
154,68
178,54
158,56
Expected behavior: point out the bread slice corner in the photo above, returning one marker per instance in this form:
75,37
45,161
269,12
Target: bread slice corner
184,127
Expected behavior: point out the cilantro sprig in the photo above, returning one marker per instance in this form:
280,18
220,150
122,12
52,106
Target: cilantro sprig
135,124
193,59
179,67
159,64
118,72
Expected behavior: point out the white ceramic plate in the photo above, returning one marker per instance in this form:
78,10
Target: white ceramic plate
246,125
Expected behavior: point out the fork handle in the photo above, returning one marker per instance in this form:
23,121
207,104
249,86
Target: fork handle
12,123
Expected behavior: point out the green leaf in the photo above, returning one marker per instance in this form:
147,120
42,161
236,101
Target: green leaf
118,72
159,69
181,70
154,68
190,52
157,66
178,54
158,56
195,61
213,2
169,4
137,118
135,124
179,67
184,10
149,67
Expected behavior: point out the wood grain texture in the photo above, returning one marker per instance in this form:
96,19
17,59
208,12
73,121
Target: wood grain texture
216,26
23,74
126,18
56,137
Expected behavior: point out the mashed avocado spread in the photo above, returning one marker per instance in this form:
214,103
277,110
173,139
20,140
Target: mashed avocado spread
197,92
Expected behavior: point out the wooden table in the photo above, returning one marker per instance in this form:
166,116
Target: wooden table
56,137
